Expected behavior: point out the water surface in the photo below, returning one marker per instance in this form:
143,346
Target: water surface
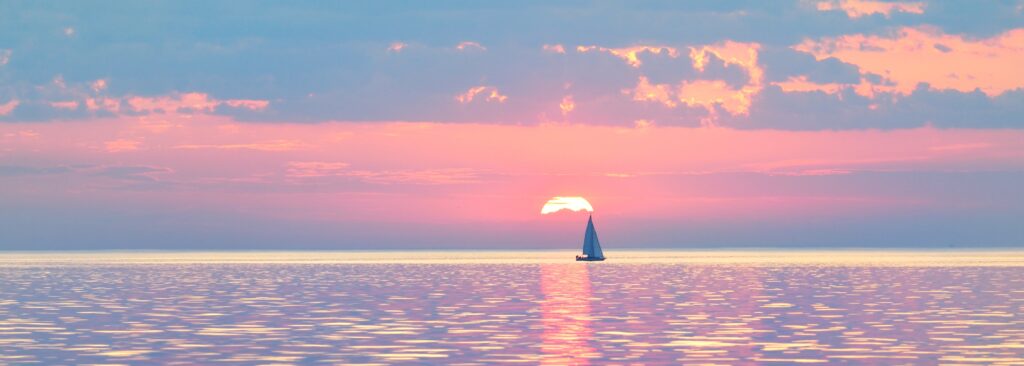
710,307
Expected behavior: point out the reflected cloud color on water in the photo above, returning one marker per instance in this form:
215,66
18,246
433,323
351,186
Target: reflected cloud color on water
682,307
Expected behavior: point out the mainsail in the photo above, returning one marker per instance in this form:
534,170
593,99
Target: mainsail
592,246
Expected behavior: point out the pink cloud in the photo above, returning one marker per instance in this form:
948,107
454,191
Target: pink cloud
200,102
8,107
554,48
309,169
489,93
275,145
250,104
99,85
469,45
860,8
5,56
397,47
927,55
107,104
121,145
631,54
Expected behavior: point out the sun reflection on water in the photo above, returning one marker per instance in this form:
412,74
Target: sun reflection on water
565,313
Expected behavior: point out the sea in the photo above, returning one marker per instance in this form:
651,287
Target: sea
712,307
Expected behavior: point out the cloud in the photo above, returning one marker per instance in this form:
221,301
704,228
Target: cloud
275,145
121,145
860,8
5,56
567,105
554,48
321,169
647,92
186,102
22,170
68,104
912,56
489,93
142,173
709,93
961,147
64,99
427,176
470,46
800,84
631,55
311,169
397,47
8,107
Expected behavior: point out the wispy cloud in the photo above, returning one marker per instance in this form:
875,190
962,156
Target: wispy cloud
121,145
275,145
8,107
470,46
554,48
488,93
631,55
860,8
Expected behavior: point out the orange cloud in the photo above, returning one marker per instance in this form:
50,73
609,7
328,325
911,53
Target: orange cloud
800,84
468,45
643,123
647,92
740,54
709,93
567,105
631,54
8,107
859,8
555,48
926,55
121,145
490,93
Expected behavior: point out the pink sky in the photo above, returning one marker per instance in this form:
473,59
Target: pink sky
821,123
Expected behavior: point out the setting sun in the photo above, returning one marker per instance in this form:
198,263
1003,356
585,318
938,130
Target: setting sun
566,203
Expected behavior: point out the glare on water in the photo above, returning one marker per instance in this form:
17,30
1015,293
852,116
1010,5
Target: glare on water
704,307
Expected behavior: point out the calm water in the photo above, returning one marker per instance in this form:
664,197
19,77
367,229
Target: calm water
528,307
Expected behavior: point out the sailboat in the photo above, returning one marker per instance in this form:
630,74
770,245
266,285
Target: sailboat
591,246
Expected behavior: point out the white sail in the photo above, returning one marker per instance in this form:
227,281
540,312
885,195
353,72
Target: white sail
591,245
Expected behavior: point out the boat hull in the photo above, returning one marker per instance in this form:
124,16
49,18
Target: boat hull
582,259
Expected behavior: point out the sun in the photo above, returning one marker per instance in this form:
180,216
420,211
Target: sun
566,203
